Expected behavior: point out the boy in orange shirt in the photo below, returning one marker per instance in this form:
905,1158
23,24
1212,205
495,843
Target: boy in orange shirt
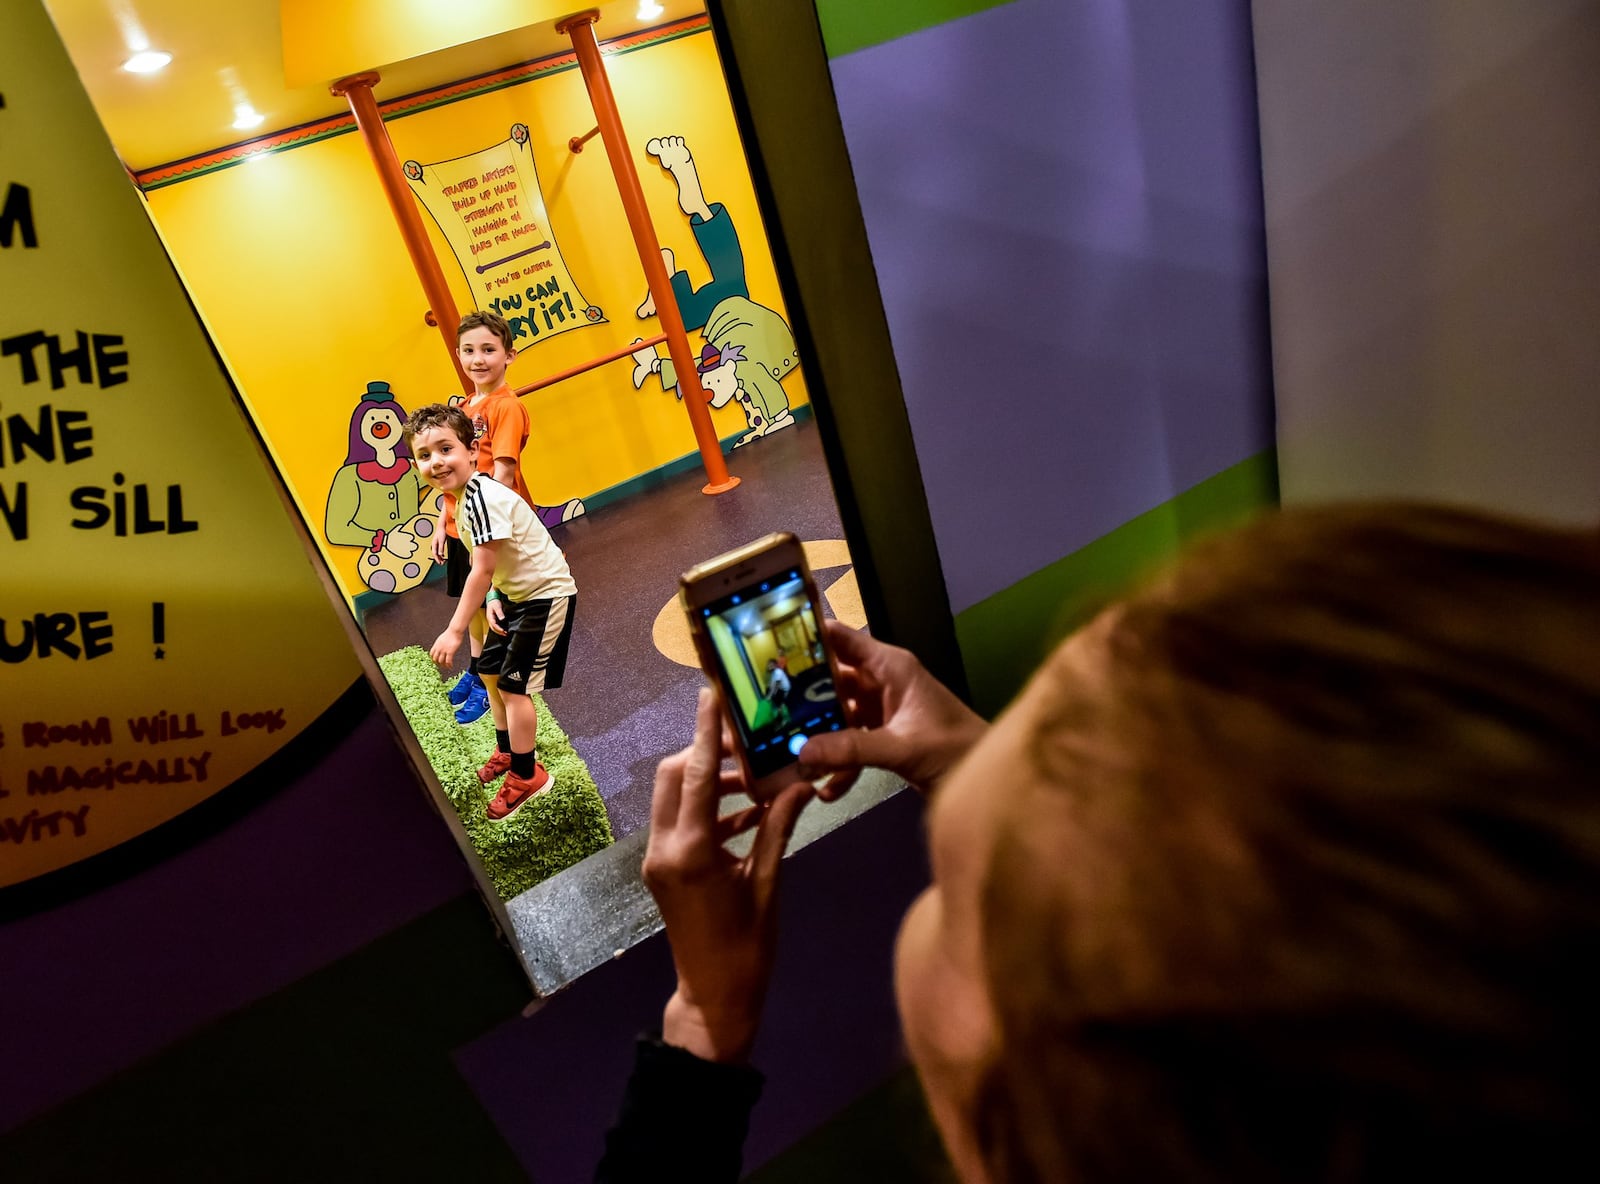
500,431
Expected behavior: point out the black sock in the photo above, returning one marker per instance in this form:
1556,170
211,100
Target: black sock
522,764
472,667
502,740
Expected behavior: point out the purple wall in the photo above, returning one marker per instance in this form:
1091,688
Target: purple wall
1064,208
190,949
344,853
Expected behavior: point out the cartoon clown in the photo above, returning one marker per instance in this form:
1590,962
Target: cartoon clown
376,502
747,353
728,375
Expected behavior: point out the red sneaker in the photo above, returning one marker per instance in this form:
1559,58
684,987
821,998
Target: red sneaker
495,766
516,792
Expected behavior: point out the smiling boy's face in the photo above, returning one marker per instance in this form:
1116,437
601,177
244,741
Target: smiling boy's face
443,461
484,357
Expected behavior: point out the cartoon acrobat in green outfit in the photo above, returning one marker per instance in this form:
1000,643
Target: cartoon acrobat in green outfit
748,349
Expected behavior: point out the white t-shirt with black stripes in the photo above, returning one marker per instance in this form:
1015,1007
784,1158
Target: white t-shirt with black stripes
530,566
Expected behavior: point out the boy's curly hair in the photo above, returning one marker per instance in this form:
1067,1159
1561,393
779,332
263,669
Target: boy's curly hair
438,415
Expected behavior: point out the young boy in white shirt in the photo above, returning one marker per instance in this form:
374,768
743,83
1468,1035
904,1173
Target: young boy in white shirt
484,346
530,593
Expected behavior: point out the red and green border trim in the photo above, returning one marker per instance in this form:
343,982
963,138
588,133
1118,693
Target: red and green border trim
203,163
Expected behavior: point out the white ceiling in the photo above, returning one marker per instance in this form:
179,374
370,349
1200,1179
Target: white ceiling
231,51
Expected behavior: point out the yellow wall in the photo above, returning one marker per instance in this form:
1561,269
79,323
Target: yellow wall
327,39
296,264
728,649
214,621
759,647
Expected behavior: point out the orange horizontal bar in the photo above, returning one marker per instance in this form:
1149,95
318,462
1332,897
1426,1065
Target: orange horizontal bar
593,364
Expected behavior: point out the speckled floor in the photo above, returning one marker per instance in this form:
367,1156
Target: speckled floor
623,704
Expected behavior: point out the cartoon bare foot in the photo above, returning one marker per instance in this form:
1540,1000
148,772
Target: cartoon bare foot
648,308
645,363
674,156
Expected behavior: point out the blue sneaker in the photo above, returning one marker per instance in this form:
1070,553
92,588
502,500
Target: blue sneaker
464,687
477,702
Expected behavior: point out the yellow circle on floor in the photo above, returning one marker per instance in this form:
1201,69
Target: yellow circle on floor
671,629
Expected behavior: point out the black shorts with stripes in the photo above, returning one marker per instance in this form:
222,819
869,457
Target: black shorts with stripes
457,565
531,655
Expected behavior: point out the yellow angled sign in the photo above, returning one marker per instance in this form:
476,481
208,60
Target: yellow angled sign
161,629
491,210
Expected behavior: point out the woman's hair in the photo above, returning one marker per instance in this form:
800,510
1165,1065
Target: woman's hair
1307,886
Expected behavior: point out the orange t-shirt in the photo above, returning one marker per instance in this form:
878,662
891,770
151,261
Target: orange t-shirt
499,428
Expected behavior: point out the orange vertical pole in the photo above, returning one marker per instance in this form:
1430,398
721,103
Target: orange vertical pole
580,28
357,91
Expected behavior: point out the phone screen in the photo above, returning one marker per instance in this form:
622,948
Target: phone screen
770,660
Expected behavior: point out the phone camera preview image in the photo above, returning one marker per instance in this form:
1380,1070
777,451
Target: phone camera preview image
771,663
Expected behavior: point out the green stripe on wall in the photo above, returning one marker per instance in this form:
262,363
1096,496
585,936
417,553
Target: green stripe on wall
1004,638
849,25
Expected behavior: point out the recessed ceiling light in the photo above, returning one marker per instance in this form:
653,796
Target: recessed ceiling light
649,10
245,118
147,62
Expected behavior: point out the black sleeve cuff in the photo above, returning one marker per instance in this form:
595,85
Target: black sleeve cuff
682,1118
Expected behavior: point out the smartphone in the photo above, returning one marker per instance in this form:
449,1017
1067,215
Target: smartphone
757,627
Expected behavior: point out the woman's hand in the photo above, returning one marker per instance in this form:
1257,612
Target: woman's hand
719,909
905,720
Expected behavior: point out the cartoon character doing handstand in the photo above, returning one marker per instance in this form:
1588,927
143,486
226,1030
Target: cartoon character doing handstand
749,349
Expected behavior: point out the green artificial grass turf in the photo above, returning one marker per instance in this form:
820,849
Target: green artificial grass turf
553,831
